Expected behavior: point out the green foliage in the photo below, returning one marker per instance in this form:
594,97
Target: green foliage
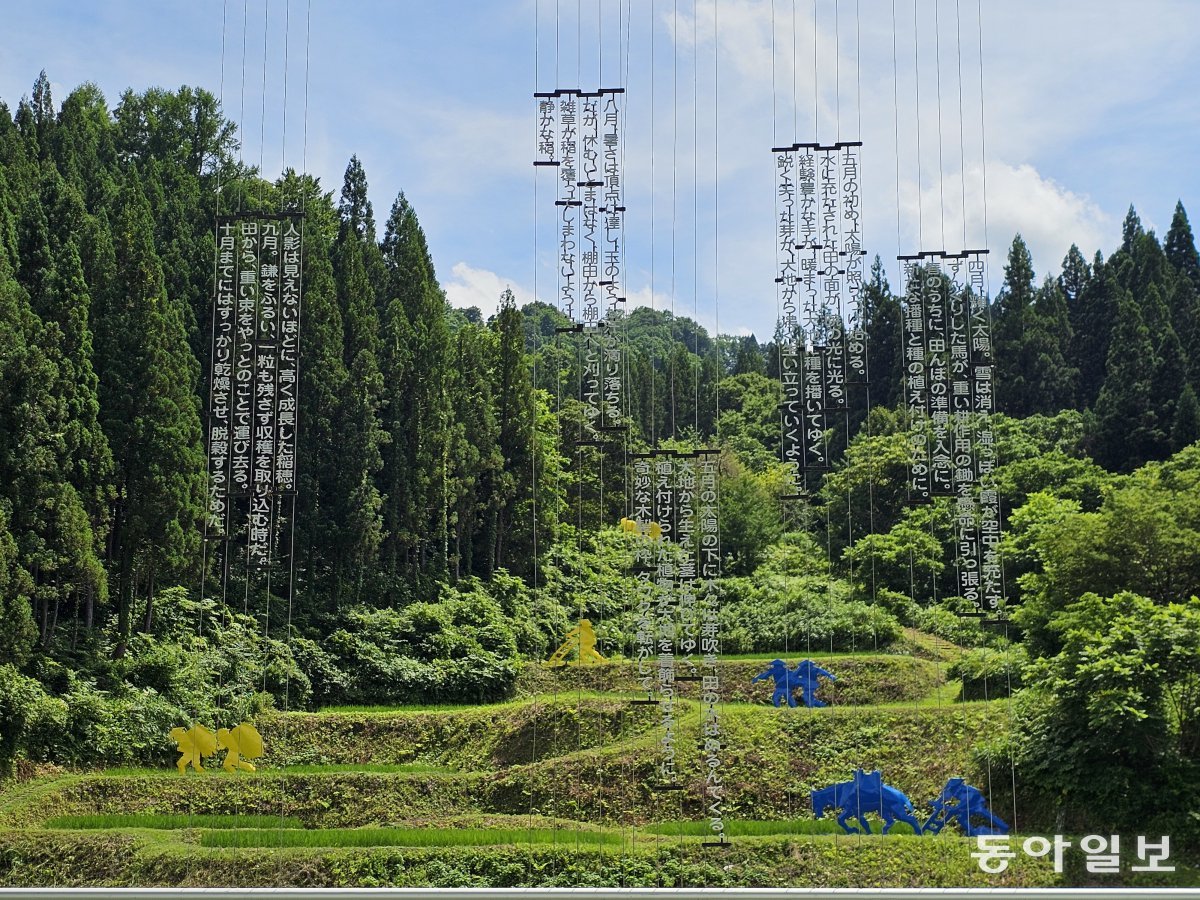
460,648
20,697
791,601
987,673
947,624
1108,727
750,513
1143,539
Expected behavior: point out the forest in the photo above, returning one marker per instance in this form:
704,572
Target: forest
448,530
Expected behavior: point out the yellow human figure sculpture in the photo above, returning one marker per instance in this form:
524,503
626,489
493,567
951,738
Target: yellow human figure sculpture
194,743
583,639
242,742
630,526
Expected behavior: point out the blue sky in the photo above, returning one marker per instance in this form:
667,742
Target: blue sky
1090,106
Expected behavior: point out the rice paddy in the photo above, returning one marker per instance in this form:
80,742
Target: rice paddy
406,837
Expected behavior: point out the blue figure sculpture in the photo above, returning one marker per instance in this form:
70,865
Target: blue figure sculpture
865,793
961,802
805,677
787,681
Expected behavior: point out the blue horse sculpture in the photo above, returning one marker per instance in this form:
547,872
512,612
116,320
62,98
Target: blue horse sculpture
961,802
865,793
802,678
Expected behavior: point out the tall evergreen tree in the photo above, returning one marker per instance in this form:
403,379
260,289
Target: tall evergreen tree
1013,318
421,414
885,358
1053,379
1131,230
1093,316
1185,430
516,418
1180,246
1075,275
324,382
149,411
1126,430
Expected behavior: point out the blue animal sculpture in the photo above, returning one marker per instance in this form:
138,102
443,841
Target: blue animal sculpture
962,802
865,793
802,678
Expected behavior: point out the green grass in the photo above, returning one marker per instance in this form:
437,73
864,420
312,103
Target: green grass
405,837
173,822
298,769
400,708
366,768
751,828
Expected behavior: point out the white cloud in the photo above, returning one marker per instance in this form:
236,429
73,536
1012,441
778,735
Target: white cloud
469,286
1020,200
1047,215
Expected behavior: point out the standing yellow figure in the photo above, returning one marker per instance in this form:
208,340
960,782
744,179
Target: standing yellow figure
243,742
194,743
653,529
582,638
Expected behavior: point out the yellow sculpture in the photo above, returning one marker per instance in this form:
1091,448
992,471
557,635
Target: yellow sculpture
583,639
243,742
630,526
194,743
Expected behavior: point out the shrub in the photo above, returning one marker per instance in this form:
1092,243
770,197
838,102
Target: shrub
988,673
20,698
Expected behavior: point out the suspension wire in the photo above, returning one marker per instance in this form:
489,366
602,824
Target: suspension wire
653,226
896,133
867,337
212,358
203,574
962,151
988,306
816,56
599,345
533,432
625,16
674,197
846,457
242,109
696,212
963,180
717,300
937,46
275,503
795,79
945,287
774,92
262,146
559,431
908,418
917,124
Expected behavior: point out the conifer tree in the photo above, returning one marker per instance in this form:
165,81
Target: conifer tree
357,495
1126,429
1180,246
1185,430
324,382
1131,230
1013,318
149,411
421,415
1053,379
884,339
516,415
1093,317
